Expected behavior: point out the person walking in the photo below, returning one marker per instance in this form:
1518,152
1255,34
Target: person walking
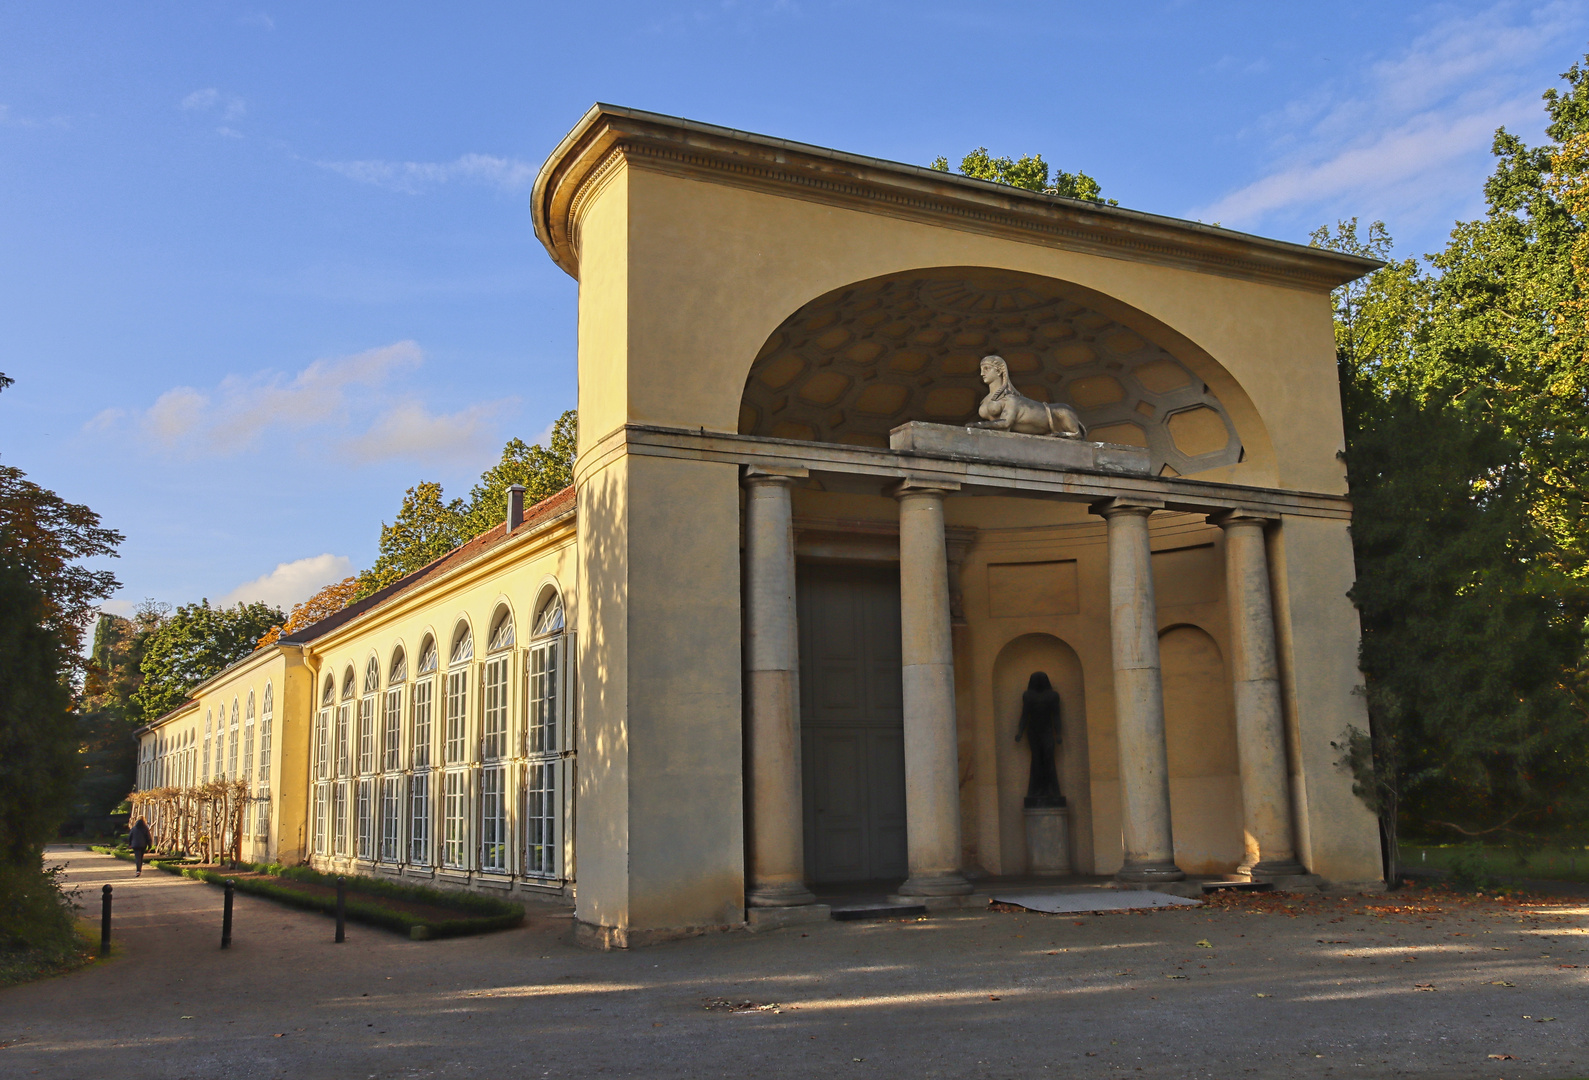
140,840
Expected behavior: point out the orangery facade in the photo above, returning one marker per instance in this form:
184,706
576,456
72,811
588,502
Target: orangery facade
775,638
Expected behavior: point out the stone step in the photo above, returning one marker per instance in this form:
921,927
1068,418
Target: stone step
877,911
1237,886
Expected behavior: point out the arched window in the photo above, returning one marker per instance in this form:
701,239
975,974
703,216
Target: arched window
204,756
547,741
364,799
494,746
455,758
247,775
462,646
391,750
266,723
330,693
231,743
501,632
349,684
549,620
422,706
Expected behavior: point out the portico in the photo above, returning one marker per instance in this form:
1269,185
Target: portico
779,352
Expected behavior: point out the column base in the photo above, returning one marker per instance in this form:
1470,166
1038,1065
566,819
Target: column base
937,883
1148,873
779,895
1273,868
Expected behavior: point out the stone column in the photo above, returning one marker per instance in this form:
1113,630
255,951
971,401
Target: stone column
932,759
1139,697
1260,725
776,837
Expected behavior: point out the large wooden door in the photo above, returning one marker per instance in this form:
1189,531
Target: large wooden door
852,724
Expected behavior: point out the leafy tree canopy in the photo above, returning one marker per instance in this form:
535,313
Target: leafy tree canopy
428,525
196,642
426,528
328,601
44,535
36,734
1029,172
543,470
1465,386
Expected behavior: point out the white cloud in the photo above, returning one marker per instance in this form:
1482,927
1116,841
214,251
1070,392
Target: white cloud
233,417
259,19
11,119
353,407
1412,127
409,430
291,582
211,101
507,174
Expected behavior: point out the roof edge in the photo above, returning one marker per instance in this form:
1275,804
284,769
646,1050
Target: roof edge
605,127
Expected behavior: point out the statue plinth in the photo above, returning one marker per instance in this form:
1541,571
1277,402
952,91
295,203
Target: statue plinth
1047,839
1006,448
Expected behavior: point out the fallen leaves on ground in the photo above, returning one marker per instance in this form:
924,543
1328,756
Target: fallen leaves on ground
725,1005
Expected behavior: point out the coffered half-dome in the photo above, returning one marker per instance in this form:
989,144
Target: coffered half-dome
851,365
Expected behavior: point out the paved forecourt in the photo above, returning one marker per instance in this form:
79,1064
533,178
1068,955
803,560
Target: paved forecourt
1327,986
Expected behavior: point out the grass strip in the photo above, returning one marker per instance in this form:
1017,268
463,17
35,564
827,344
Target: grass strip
479,914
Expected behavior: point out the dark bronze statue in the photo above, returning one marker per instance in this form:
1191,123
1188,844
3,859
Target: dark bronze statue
1040,725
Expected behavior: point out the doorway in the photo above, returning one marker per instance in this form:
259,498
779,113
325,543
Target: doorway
851,722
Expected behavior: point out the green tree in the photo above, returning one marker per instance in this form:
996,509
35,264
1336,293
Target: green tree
426,528
428,525
543,470
1465,390
37,737
196,642
1030,172
45,536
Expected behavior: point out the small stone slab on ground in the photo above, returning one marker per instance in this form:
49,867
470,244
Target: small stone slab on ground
1094,900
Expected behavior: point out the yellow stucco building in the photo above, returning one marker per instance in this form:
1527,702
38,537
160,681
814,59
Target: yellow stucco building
774,638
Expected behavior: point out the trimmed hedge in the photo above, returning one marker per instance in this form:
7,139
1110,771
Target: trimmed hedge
484,914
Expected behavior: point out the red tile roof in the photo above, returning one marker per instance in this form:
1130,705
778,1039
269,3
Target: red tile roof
548,508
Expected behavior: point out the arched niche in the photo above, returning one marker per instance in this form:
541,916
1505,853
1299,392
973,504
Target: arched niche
853,364
1200,735
1011,670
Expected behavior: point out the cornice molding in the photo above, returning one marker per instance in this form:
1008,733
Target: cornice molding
587,158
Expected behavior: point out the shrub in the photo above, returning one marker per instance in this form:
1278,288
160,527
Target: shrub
38,924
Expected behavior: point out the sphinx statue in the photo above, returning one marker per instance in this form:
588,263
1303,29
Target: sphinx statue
1007,409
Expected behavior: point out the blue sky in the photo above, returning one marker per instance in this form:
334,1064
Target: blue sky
264,267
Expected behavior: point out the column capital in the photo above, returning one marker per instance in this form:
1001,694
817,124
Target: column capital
916,485
774,474
1109,508
1224,518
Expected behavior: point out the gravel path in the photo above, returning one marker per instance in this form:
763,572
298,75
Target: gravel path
1325,987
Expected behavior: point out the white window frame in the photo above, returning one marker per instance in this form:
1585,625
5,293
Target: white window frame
364,842
207,744
494,819
391,818
420,816
366,760
455,820
548,748
246,774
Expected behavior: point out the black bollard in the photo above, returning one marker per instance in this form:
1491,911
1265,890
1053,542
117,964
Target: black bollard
226,918
104,921
341,908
